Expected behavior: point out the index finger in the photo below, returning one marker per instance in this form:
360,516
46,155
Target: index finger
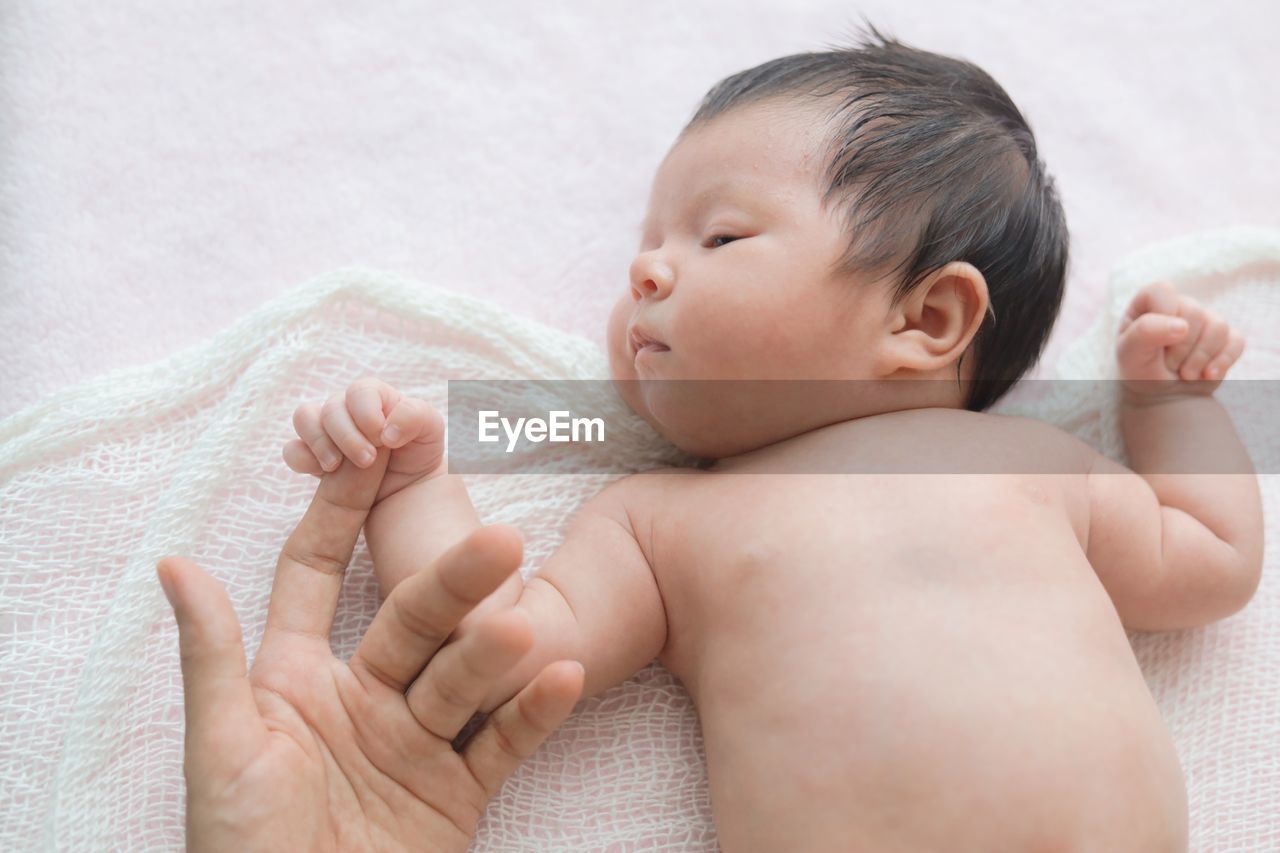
304,594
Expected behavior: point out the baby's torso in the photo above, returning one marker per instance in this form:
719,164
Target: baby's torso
886,661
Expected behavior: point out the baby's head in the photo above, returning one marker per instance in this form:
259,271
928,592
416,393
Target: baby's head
875,213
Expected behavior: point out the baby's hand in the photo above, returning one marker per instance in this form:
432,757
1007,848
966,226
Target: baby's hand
371,414
1165,336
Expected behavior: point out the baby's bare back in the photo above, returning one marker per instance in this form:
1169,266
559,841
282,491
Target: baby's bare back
907,662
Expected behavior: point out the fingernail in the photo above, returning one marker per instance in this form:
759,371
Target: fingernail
1177,324
390,434
331,461
366,456
1212,373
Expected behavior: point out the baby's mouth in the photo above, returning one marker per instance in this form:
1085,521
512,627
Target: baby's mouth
642,342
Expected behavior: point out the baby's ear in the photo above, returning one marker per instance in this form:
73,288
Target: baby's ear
933,326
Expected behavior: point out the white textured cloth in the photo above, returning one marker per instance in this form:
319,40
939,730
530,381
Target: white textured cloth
100,480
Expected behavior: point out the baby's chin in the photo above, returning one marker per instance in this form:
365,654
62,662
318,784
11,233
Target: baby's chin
701,423
716,420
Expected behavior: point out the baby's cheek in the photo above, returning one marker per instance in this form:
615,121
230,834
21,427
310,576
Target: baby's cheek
711,347
750,344
615,337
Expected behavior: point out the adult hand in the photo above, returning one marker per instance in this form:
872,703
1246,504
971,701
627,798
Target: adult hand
306,752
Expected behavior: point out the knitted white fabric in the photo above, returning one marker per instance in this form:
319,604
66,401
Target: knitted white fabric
100,480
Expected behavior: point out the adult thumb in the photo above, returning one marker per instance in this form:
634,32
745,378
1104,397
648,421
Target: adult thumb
224,729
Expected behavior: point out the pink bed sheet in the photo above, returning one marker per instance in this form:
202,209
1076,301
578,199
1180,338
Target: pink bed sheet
167,168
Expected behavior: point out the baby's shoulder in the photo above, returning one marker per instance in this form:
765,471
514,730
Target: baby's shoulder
1064,452
652,488
1015,444
640,492
635,503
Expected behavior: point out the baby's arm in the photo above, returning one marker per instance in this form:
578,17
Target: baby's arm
409,529
420,510
1175,549
595,600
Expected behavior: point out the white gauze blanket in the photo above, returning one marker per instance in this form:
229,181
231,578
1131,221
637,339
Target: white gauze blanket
100,480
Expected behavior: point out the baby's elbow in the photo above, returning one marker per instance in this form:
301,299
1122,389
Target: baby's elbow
1214,590
1247,578
1249,549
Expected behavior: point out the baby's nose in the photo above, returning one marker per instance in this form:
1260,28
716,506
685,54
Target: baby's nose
643,289
650,277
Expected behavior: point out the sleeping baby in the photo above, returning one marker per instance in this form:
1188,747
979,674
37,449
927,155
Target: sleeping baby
923,648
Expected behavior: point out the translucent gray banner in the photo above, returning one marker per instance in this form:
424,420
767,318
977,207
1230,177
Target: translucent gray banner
857,427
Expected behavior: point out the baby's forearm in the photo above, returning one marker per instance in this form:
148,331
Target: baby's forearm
555,637
409,529
1188,451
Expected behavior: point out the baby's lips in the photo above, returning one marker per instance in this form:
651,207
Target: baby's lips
640,339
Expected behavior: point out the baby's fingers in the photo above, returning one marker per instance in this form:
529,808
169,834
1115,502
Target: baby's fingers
412,420
368,402
1212,340
307,422
1142,344
300,458
1157,298
342,430
1197,320
415,432
1221,363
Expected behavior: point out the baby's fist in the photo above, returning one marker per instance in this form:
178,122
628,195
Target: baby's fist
371,414
1164,337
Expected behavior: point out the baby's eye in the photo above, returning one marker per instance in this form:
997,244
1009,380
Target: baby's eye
725,237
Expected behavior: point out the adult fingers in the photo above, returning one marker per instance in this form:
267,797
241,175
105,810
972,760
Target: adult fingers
224,730
309,572
423,609
449,692
515,730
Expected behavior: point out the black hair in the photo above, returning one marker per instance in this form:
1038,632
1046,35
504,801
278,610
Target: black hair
935,150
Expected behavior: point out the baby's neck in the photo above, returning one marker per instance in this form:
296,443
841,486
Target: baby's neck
834,438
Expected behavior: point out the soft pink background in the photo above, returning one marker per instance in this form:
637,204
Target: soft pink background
165,168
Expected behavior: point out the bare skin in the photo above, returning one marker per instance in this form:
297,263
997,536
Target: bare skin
884,660
306,752
864,682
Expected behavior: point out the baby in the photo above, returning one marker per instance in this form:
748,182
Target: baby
880,660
